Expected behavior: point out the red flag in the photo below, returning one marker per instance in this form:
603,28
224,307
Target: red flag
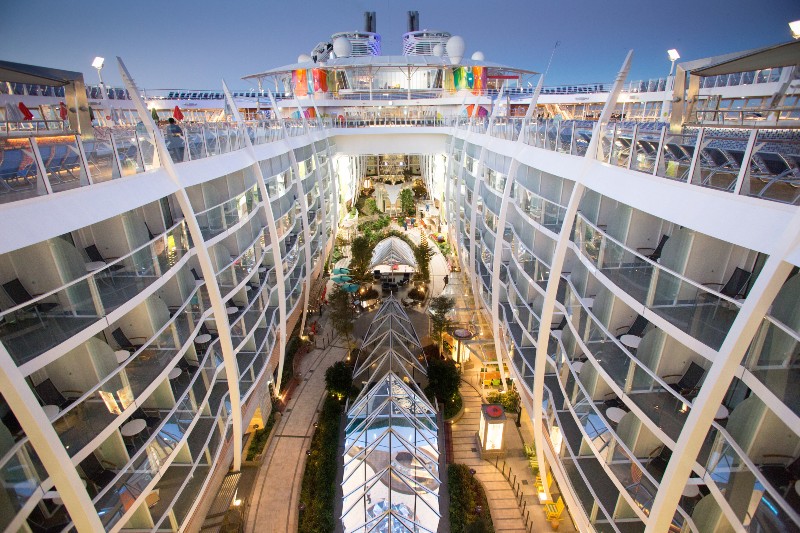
62,110
25,112
176,113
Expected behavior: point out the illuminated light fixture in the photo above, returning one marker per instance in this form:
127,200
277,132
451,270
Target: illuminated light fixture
795,27
98,62
490,430
673,54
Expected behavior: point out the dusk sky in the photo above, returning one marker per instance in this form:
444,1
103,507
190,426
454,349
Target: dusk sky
195,43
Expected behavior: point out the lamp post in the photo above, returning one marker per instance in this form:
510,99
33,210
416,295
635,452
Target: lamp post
795,27
673,56
98,64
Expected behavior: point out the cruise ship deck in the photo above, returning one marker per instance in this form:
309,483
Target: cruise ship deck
632,247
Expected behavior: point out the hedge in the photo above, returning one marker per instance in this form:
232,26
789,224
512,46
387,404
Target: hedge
466,495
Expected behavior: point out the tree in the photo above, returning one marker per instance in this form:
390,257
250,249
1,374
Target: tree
510,399
370,207
439,308
443,380
341,312
423,254
361,255
407,204
339,379
154,114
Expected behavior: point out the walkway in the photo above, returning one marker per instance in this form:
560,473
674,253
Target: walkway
275,497
506,515
504,503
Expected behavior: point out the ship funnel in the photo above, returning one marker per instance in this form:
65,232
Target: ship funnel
370,22
413,21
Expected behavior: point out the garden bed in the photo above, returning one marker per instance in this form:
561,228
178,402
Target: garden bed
318,493
469,509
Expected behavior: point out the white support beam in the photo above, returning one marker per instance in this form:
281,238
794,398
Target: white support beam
206,266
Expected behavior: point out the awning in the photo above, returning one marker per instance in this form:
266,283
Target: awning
778,55
22,73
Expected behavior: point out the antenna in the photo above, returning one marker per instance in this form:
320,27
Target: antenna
551,57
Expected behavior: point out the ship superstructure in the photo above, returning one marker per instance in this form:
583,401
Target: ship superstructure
634,246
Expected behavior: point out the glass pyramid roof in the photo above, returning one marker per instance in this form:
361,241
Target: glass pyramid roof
391,452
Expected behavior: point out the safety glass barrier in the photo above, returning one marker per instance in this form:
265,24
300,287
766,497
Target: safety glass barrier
20,175
22,473
756,493
31,329
675,158
100,157
100,407
774,169
694,309
219,218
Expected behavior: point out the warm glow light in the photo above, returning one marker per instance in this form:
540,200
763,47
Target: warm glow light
795,27
556,438
98,62
673,54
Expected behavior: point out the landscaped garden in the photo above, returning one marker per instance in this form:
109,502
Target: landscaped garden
469,509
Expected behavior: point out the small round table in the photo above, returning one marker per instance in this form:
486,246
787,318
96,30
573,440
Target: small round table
122,355
51,411
556,333
722,413
174,373
202,339
631,341
232,310
95,265
588,302
261,270
691,491
577,365
615,414
133,427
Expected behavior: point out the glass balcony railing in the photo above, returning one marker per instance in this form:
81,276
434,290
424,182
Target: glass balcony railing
31,329
694,309
22,474
219,218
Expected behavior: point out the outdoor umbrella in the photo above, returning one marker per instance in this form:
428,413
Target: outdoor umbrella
341,270
177,114
26,113
341,279
350,287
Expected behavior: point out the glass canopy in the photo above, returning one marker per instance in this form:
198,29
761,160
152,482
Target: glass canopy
391,453
393,251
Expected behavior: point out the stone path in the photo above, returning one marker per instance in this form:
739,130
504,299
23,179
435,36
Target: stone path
502,501
275,497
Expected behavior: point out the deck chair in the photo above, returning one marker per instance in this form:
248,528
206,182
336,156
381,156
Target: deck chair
637,328
95,255
657,463
689,383
49,395
96,472
655,253
20,295
124,343
735,284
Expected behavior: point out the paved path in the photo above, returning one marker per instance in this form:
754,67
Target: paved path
276,494
502,502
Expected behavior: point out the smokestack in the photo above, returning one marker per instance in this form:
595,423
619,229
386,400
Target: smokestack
370,22
413,21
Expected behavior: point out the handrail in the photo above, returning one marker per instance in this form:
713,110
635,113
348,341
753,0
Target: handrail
89,275
657,266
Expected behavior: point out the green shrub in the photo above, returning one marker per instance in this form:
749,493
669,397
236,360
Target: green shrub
466,494
319,480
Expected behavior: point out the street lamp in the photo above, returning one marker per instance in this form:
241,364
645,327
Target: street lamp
673,56
98,64
795,27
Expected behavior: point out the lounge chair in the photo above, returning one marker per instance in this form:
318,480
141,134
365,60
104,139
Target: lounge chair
20,295
124,343
95,255
735,284
689,383
96,472
655,253
49,395
637,328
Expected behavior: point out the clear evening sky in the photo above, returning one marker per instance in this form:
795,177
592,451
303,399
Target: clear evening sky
195,43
